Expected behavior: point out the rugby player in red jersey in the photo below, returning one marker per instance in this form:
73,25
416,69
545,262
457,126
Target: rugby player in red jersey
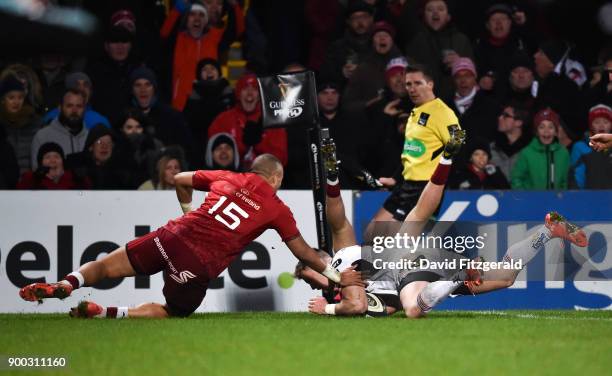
196,247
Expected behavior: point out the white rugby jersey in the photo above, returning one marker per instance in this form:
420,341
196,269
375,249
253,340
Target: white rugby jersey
352,255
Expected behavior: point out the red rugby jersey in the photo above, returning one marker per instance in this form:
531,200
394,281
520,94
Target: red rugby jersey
237,209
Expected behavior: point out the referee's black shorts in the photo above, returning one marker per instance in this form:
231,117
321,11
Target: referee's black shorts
403,198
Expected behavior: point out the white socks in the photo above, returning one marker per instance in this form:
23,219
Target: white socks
526,249
436,292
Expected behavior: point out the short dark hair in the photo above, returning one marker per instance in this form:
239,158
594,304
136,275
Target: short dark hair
300,266
520,112
133,113
420,68
72,91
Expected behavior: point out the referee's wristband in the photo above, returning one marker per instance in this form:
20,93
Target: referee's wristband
331,273
330,309
186,206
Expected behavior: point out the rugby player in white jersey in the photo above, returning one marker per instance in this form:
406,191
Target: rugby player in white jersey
415,292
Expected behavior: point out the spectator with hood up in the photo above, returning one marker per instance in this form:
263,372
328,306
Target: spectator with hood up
243,122
222,153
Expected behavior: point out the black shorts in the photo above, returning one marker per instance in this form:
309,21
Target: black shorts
403,198
185,278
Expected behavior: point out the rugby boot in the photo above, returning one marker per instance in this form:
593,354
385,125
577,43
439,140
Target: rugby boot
561,228
39,291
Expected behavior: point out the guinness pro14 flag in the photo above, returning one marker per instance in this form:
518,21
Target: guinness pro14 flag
289,100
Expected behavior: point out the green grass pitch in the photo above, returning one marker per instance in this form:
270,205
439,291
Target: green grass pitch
469,343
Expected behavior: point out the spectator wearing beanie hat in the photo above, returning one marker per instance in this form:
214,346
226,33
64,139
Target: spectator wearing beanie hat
345,54
51,173
368,79
600,121
555,90
544,163
519,87
18,120
110,73
506,34
478,172
438,45
80,81
243,123
476,111
163,122
195,40
211,95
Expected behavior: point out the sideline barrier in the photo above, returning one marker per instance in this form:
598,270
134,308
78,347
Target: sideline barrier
590,285
45,235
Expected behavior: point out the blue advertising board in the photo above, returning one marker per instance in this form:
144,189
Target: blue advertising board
591,209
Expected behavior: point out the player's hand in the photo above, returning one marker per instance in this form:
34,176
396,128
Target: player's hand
601,141
351,277
317,305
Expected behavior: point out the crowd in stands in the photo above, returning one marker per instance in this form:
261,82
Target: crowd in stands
157,97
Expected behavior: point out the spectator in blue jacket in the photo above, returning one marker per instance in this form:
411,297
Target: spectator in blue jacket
80,81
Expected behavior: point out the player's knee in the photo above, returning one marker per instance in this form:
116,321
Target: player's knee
413,312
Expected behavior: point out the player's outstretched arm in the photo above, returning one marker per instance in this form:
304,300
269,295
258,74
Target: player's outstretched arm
354,302
303,252
183,183
432,194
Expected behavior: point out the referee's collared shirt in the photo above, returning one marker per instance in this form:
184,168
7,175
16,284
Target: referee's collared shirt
426,135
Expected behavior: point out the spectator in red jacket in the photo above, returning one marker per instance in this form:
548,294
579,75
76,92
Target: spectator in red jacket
50,173
243,122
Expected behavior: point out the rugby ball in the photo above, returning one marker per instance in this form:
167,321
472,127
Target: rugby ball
376,307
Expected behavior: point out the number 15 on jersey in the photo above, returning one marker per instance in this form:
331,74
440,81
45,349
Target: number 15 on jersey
231,211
